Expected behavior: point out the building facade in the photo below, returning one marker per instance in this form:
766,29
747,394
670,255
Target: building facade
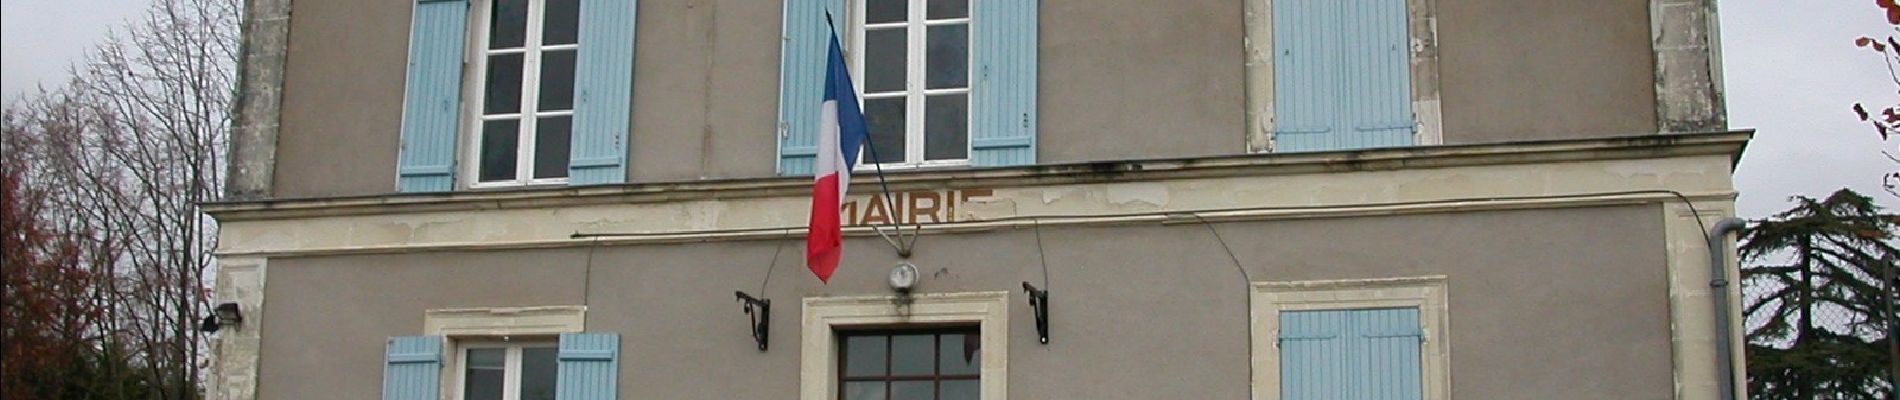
1097,199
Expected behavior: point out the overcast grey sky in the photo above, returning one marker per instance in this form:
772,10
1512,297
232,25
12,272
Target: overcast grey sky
39,38
1791,72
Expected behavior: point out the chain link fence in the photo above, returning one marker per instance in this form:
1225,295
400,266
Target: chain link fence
1815,333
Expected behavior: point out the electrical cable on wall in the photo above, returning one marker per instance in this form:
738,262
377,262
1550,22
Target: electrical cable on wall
1248,285
1039,298
774,264
587,280
1041,255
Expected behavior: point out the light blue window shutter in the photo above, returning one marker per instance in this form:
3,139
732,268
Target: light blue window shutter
1305,75
1389,341
1311,346
1342,75
412,368
1350,354
588,367
603,93
1378,75
1003,96
802,50
426,162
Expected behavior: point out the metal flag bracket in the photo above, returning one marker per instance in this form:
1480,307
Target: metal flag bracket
1039,299
759,312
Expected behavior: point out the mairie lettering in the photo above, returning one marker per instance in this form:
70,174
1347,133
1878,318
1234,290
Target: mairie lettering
913,207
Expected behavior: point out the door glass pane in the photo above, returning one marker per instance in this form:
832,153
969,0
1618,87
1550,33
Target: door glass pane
503,90
557,80
510,28
947,9
949,56
877,11
498,149
958,354
959,390
885,119
551,146
483,376
884,65
537,373
864,391
864,355
913,390
913,354
562,23
946,127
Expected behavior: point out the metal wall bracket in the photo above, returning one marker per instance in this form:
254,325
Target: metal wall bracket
1039,299
759,312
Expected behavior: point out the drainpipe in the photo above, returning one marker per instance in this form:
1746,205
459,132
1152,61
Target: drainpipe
1718,284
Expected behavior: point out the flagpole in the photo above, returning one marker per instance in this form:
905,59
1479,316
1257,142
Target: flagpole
890,202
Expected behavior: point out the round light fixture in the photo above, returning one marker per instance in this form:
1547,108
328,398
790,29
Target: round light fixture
903,277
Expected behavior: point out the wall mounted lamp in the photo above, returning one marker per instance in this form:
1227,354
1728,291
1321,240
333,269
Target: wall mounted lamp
226,314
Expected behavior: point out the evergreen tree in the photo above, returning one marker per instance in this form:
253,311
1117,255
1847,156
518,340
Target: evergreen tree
1825,316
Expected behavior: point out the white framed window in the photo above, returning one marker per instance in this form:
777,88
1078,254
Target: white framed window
522,91
505,369
922,363
912,61
977,322
1324,339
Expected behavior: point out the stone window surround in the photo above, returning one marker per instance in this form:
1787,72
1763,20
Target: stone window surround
490,325
1426,112
1427,293
818,361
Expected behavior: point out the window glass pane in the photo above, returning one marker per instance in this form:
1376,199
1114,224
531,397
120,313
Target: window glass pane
876,11
959,390
561,25
557,80
884,65
537,373
958,354
551,146
949,56
498,149
913,354
947,9
885,119
510,27
946,127
864,356
504,85
484,374
864,391
913,390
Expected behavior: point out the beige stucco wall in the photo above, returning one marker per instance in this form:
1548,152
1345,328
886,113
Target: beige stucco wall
1573,300
1130,79
1119,79
342,98
1524,70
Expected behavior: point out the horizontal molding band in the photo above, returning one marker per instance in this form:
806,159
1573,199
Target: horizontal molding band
1164,218
1246,165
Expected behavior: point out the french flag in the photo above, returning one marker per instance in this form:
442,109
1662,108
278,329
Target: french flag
841,134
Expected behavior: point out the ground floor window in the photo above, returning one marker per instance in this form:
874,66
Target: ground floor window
507,371
1350,354
922,346
1351,339
923,364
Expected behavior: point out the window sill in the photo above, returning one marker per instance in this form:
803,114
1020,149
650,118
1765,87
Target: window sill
897,167
507,186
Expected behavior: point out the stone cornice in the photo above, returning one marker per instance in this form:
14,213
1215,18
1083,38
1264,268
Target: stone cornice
1730,143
